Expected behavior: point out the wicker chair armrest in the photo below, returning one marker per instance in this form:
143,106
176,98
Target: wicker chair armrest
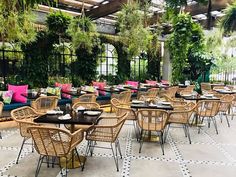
33,104
25,122
107,117
104,126
77,137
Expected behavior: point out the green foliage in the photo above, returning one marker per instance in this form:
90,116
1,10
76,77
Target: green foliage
87,47
200,62
131,29
86,64
186,43
36,59
228,22
179,45
62,80
153,66
15,24
214,41
58,22
83,33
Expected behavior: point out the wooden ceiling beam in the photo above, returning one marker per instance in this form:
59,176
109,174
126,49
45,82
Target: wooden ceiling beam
77,4
106,9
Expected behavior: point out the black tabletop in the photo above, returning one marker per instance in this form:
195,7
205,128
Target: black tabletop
80,118
197,98
225,91
112,90
147,106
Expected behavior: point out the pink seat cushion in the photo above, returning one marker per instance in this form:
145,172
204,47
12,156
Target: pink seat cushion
18,91
164,82
100,85
151,82
132,83
64,88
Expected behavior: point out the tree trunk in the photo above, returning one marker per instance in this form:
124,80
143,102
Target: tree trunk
209,18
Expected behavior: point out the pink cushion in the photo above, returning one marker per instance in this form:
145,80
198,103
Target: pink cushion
164,82
17,91
151,82
64,88
132,83
100,85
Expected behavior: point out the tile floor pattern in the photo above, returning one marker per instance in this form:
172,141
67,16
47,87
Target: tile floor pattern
208,155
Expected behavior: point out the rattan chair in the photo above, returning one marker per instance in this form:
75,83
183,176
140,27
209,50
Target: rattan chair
186,91
85,98
45,103
87,105
123,97
107,133
152,120
120,109
54,142
225,106
207,109
151,94
206,86
182,116
175,103
171,92
24,116
1,108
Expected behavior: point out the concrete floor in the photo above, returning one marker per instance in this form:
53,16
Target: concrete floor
208,155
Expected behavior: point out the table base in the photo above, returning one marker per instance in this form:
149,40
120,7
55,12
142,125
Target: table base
152,138
73,162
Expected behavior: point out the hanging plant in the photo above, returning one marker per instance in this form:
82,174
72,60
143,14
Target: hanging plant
58,22
83,33
131,29
16,25
179,43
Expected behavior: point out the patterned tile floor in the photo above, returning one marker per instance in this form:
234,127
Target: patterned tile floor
208,155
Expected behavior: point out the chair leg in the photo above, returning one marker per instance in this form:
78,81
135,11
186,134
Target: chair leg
209,122
21,148
77,153
136,129
0,135
227,119
115,156
92,147
221,117
141,141
166,132
86,154
187,130
119,149
40,161
215,125
162,143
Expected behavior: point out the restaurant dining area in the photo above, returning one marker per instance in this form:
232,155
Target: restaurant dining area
117,88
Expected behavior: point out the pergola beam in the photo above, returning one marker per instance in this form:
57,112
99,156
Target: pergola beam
106,9
76,4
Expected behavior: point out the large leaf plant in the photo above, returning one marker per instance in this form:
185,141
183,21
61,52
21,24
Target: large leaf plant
228,22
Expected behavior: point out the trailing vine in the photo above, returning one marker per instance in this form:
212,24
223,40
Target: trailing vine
179,43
